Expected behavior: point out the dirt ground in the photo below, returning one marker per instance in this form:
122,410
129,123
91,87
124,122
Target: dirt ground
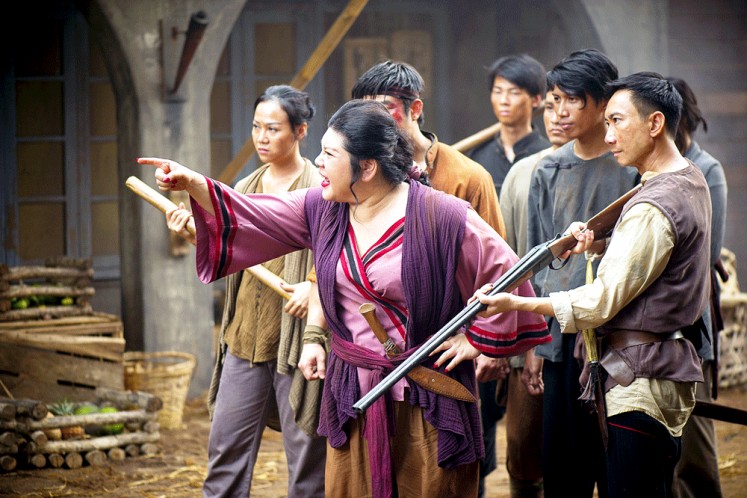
180,467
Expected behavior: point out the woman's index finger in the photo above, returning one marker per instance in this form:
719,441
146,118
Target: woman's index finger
162,164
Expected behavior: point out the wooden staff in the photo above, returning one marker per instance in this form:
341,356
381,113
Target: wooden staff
159,201
478,138
315,62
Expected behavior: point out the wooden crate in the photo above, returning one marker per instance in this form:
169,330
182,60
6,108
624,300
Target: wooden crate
62,358
59,288
30,437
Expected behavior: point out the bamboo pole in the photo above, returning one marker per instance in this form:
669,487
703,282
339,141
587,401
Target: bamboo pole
159,201
315,62
478,138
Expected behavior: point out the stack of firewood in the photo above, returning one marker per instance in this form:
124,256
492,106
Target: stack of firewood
29,436
62,287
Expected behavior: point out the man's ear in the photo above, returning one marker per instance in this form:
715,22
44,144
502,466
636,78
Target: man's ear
416,109
656,123
536,101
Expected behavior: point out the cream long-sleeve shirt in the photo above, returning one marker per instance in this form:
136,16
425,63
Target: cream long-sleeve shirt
635,258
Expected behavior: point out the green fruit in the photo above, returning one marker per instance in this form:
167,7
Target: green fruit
20,304
111,428
86,409
67,301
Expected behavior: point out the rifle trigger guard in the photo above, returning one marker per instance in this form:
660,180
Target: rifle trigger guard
565,261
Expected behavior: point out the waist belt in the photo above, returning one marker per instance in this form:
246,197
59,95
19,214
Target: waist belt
615,366
625,338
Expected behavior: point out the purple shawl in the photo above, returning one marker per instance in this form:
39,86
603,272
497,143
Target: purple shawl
434,228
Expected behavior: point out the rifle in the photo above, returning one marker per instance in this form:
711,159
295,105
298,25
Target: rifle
535,260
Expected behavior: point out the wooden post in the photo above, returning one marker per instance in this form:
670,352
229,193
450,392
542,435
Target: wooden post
317,59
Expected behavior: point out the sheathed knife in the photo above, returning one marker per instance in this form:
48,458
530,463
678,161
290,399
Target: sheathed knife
424,377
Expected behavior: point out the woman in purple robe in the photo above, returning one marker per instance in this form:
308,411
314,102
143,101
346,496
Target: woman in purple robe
378,235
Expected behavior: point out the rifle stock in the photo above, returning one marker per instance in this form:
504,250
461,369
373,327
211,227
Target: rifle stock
535,260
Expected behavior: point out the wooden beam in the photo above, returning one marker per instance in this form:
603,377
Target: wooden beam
315,62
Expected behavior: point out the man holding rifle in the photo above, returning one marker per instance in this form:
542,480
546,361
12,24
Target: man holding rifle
649,293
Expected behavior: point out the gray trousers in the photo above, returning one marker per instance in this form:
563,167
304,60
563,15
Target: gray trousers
696,474
241,410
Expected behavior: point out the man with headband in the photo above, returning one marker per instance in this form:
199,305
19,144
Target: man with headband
399,86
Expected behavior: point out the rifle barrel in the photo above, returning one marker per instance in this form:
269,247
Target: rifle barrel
536,258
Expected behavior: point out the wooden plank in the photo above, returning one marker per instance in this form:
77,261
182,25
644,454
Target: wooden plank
108,348
94,318
105,329
50,376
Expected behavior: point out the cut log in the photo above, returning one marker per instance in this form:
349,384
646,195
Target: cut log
47,290
116,454
55,460
8,438
132,450
38,460
67,262
96,458
149,449
46,313
26,407
39,437
24,426
73,460
7,462
127,399
100,443
31,272
151,427
7,411
133,426
10,449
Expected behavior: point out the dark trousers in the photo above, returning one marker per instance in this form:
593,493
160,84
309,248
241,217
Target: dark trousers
641,456
573,458
490,414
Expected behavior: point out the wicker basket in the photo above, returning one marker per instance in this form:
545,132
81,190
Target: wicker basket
165,374
733,339
732,369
